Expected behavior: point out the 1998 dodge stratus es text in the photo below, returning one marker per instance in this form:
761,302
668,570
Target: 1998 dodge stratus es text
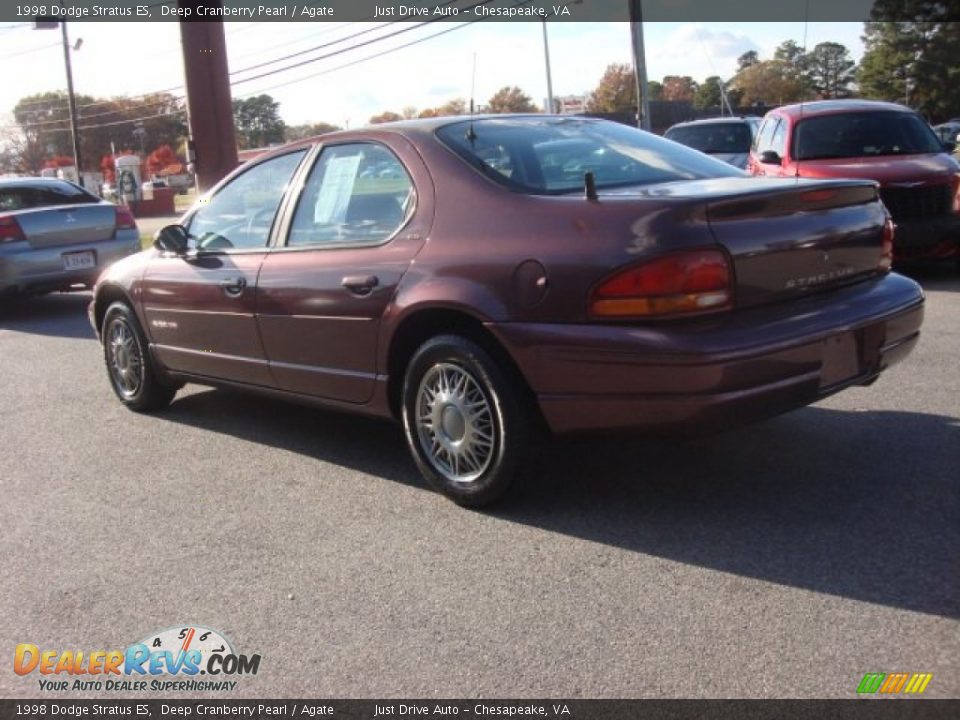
478,277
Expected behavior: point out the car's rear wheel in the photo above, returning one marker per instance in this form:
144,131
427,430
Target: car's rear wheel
464,421
129,367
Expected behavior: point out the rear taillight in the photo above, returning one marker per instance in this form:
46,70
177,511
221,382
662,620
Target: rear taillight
685,282
956,194
10,230
125,219
886,246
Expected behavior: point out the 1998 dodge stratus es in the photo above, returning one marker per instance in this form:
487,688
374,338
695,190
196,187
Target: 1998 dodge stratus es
479,277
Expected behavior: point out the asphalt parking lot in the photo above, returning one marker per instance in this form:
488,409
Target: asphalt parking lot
785,559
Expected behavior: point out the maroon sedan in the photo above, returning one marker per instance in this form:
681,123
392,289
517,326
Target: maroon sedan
477,277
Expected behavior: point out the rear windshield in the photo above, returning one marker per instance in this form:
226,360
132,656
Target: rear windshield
548,156
862,134
58,192
713,138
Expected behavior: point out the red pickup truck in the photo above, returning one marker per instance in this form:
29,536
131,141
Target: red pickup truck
919,180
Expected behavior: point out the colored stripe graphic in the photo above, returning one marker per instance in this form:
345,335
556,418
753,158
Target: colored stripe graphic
918,683
890,684
871,682
894,683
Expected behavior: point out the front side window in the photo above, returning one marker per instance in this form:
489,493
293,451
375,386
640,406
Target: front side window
549,156
765,136
778,143
241,214
863,134
356,194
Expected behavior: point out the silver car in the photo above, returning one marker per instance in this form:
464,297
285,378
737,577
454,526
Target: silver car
726,138
55,235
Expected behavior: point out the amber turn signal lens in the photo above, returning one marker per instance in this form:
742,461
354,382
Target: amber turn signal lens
683,282
886,247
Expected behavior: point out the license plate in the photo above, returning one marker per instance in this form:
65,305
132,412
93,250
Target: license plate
840,359
79,260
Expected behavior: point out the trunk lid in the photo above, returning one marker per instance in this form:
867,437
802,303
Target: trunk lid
786,237
67,224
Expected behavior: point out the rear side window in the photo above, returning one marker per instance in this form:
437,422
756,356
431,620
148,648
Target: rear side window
356,194
47,195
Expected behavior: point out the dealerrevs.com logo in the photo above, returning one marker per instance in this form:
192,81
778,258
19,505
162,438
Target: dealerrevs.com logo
187,658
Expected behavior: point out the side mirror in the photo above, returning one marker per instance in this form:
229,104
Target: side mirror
770,157
949,146
172,238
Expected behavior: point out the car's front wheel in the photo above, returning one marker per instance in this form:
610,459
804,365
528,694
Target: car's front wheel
464,420
129,367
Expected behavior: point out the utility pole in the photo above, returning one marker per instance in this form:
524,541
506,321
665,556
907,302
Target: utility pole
639,64
209,107
546,54
71,100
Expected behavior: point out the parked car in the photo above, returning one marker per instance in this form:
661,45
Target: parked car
884,142
948,132
55,235
488,285
726,138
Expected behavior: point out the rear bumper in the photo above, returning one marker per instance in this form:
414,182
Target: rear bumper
929,238
714,372
24,268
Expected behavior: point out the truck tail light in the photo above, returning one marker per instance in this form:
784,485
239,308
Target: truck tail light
886,246
125,219
692,281
10,230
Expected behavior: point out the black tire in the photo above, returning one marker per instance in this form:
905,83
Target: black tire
140,388
503,418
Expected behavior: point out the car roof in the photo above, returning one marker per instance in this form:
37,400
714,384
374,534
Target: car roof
416,127
728,120
832,107
31,182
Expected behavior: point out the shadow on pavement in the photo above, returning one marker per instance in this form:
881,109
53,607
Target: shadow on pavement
864,505
942,275
56,314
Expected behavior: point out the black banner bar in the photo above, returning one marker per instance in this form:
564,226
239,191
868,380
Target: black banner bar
313,11
861,709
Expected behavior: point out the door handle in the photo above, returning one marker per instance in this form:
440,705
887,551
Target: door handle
360,284
235,287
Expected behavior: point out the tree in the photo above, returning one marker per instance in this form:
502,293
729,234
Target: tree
457,106
770,82
654,90
679,89
301,132
748,59
257,121
708,95
912,62
616,91
510,100
409,112
794,59
385,117
161,158
830,70
44,121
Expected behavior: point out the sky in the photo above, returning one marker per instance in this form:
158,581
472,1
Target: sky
136,58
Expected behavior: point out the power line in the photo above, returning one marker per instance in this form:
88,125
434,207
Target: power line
343,50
